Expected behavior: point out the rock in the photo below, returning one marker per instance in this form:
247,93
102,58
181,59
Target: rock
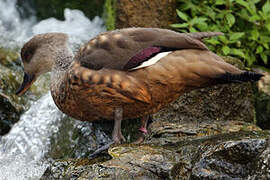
145,13
179,152
129,162
262,102
165,132
76,139
8,57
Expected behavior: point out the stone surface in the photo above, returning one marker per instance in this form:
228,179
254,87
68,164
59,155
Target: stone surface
179,152
145,13
262,102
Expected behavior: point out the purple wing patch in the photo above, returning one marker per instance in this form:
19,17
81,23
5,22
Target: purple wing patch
142,56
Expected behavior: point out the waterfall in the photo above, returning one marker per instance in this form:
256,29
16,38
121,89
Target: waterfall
23,149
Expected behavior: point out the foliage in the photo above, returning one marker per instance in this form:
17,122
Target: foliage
245,23
109,14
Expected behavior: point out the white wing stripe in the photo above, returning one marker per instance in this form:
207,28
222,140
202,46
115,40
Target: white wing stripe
153,60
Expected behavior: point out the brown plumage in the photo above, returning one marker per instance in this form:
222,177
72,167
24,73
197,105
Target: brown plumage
115,75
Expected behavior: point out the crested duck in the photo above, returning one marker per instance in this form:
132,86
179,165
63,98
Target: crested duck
125,74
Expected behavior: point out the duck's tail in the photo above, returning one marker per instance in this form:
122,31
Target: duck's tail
246,76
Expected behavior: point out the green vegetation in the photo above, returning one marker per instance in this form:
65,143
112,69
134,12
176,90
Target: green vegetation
109,14
245,23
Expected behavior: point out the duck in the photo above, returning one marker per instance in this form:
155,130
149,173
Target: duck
125,74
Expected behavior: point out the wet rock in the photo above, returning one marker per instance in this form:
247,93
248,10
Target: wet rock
179,152
233,158
165,132
128,162
262,102
8,57
218,103
76,139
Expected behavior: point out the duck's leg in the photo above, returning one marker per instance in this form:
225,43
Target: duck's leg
117,134
143,129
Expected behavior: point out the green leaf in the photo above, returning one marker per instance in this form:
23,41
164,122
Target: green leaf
241,2
236,36
237,52
268,26
197,20
259,50
183,25
251,59
265,45
264,39
264,58
226,50
249,5
212,41
191,29
223,39
230,19
220,2
182,15
266,7
254,34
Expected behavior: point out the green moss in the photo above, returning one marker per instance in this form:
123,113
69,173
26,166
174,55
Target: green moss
109,14
8,57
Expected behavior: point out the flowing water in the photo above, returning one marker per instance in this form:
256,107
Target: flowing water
24,150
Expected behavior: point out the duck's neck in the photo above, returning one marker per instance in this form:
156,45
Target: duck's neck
63,59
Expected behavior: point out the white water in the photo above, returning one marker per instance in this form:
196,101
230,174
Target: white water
14,31
23,149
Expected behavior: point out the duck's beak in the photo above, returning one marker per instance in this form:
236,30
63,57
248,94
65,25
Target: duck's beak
27,82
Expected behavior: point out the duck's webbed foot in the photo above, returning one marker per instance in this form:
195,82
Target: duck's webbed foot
143,130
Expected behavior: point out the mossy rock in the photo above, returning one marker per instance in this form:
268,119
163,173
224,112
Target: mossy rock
8,57
262,101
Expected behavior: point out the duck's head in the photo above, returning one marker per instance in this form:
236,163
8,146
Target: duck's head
38,56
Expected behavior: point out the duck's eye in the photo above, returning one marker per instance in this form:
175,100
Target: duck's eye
27,56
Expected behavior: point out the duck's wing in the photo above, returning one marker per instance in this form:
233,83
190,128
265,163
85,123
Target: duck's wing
126,49
106,86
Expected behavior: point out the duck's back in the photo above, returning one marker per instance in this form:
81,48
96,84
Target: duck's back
127,48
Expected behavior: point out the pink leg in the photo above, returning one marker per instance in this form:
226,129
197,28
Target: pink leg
143,129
